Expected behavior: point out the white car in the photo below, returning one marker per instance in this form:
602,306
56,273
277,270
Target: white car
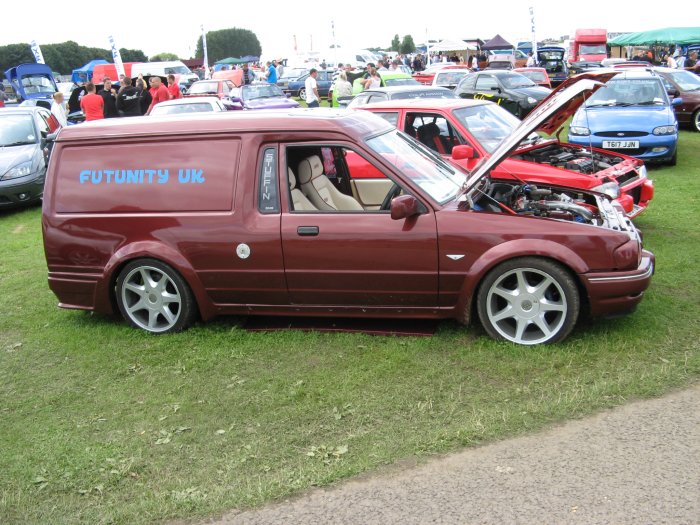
182,106
449,78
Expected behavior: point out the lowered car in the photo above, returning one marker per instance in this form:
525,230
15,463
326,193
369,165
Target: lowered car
633,115
297,87
261,96
686,86
24,153
515,92
266,217
481,126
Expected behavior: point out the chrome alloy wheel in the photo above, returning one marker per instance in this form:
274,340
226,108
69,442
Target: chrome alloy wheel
151,299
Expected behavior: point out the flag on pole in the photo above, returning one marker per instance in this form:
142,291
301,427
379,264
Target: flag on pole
36,51
532,26
206,57
117,57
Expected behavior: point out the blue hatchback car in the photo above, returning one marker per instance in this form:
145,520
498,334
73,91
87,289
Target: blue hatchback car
633,115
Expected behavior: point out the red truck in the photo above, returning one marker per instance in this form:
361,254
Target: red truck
588,45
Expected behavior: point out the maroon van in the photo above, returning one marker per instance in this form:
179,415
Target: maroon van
170,219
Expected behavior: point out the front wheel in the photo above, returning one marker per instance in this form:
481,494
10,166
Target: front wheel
528,301
153,296
696,120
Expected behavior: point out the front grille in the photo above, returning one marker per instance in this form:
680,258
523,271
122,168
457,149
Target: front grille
629,151
627,178
636,193
621,134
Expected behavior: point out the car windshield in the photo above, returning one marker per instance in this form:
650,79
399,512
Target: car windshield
401,82
177,109
488,123
16,130
256,91
628,92
593,49
535,76
37,84
199,88
686,80
441,181
177,70
515,80
449,78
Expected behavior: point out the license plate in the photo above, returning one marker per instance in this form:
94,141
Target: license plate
620,144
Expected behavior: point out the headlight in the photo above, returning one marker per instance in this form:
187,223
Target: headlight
21,170
664,130
611,189
531,100
579,130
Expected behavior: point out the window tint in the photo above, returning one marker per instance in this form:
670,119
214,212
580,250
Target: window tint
486,82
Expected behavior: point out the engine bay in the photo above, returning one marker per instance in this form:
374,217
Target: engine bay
570,158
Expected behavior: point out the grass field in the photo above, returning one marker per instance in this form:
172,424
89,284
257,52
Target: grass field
100,423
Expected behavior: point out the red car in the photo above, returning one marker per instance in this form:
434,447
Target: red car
216,87
166,219
442,124
537,74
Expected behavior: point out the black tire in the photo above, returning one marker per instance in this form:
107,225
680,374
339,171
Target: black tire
673,160
528,301
152,296
695,120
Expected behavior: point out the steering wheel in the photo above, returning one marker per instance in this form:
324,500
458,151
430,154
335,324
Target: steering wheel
394,191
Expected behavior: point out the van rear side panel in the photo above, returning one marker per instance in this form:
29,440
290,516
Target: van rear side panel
164,176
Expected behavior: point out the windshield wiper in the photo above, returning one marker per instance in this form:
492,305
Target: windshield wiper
18,143
649,103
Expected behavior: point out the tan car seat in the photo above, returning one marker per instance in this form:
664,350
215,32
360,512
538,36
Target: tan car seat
299,200
320,191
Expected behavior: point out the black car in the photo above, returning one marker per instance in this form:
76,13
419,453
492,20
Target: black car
399,92
515,92
24,153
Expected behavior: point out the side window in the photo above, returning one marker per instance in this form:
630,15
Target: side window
226,87
43,122
332,179
433,130
268,194
486,82
377,97
392,117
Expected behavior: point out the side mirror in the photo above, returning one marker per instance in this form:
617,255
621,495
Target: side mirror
463,152
235,100
677,101
496,88
404,206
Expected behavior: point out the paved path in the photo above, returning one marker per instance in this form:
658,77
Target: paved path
636,464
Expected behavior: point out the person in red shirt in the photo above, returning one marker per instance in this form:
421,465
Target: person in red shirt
173,88
159,93
92,104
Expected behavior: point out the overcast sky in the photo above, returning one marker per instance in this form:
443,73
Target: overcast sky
358,23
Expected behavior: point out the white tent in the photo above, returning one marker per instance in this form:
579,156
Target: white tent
452,45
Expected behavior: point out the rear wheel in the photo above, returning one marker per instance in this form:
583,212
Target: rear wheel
528,301
302,94
153,296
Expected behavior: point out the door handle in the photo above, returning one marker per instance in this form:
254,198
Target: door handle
307,231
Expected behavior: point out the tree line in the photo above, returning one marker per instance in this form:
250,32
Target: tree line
63,58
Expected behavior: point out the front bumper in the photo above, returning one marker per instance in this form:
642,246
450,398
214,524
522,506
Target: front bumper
21,191
616,293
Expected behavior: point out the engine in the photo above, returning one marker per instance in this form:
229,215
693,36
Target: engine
570,158
528,199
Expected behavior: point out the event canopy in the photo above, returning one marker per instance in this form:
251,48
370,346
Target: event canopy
84,74
452,45
497,42
668,35
231,60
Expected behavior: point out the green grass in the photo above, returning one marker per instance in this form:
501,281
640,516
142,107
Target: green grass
100,423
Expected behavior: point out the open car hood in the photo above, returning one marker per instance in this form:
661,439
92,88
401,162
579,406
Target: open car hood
548,116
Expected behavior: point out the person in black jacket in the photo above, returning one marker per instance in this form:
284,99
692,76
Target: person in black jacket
145,95
129,100
109,95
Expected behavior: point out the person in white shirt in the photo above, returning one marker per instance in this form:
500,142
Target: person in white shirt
58,109
475,63
530,60
311,87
